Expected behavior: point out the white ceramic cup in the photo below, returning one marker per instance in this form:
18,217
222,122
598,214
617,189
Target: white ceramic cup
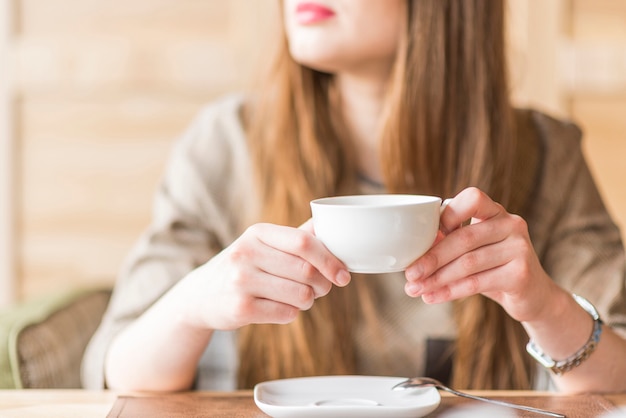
377,233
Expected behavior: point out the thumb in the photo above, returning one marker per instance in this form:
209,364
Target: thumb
307,226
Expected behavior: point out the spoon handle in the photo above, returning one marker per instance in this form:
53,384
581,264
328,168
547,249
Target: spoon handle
501,403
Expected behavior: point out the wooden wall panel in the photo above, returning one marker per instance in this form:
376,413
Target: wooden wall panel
597,91
535,33
8,279
89,173
103,91
150,19
598,20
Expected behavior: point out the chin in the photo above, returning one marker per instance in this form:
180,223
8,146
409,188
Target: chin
318,63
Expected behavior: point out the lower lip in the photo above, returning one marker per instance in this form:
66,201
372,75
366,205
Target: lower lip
309,15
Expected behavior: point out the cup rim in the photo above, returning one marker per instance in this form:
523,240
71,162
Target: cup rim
368,200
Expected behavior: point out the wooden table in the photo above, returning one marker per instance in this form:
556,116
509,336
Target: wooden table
91,404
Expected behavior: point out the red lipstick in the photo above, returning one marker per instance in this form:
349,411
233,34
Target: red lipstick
309,12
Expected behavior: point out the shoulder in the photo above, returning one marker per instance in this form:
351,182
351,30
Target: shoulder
223,110
551,132
214,145
548,154
555,143
220,118
209,171
216,132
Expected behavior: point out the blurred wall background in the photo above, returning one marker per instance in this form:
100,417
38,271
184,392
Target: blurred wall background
94,92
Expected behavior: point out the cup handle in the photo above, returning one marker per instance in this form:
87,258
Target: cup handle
444,204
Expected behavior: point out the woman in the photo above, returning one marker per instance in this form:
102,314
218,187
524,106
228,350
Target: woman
230,287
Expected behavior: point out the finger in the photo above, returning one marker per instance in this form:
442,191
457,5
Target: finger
289,267
465,287
248,295
307,226
303,244
469,264
455,245
262,285
345,275
500,284
266,311
469,203
485,282
440,235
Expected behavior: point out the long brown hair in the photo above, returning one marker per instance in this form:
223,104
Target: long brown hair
448,124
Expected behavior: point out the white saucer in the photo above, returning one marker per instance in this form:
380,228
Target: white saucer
343,396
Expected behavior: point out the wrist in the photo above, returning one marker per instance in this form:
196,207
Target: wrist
562,326
541,306
560,365
181,303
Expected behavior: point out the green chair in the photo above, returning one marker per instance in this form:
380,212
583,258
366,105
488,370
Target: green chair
42,341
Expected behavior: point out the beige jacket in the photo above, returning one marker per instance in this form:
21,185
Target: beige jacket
207,190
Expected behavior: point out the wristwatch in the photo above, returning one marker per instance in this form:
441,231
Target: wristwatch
562,366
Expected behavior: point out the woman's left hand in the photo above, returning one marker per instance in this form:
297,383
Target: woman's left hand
493,255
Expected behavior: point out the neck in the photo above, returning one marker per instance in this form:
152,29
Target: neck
362,101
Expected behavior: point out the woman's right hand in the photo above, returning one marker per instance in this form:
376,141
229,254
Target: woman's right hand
267,275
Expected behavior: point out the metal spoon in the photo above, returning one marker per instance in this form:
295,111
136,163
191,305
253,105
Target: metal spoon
422,382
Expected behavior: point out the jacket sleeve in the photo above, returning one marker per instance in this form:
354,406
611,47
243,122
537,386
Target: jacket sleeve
194,217
578,243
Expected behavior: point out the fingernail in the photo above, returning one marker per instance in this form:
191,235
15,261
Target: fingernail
428,298
343,277
414,273
414,288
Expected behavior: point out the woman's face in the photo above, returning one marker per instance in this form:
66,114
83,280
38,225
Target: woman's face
358,36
